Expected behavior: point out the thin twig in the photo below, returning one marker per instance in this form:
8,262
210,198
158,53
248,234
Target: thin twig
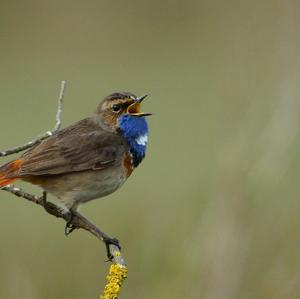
47,134
20,193
60,106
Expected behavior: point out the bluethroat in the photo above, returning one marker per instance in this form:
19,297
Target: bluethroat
89,159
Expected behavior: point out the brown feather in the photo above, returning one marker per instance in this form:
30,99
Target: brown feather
82,146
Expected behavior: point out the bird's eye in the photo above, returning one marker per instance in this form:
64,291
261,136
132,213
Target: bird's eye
116,107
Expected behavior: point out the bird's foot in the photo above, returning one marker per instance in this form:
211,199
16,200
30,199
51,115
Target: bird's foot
110,241
70,227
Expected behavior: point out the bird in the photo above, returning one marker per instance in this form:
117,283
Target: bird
89,159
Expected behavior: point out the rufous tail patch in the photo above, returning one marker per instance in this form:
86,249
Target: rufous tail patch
4,182
15,165
7,172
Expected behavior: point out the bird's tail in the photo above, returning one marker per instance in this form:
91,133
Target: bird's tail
8,172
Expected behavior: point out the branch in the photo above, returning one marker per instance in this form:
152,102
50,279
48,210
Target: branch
75,219
118,270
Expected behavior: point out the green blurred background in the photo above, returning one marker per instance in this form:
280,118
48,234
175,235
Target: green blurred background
213,211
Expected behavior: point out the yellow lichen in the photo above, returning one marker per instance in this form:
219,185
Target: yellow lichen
115,278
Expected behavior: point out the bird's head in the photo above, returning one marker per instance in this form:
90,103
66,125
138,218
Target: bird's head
121,113
119,106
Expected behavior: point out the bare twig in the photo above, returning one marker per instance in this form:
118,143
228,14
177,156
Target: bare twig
118,270
20,193
60,106
47,134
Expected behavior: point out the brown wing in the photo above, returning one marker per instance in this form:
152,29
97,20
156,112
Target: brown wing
82,146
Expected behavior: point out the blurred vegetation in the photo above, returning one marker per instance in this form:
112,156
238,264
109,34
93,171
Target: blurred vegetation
213,211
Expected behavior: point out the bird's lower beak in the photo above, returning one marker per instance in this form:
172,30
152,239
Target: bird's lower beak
135,108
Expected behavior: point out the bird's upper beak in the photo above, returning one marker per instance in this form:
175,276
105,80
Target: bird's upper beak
135,108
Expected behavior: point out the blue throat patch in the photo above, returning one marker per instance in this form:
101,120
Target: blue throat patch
135,130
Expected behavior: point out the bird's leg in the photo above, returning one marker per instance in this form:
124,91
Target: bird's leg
47,206
44,199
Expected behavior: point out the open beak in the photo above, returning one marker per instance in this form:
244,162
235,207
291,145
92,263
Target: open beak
135,108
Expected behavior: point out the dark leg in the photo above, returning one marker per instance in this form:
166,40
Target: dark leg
44,198
47,206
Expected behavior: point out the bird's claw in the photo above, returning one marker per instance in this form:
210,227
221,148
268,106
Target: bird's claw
111,241
70,227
